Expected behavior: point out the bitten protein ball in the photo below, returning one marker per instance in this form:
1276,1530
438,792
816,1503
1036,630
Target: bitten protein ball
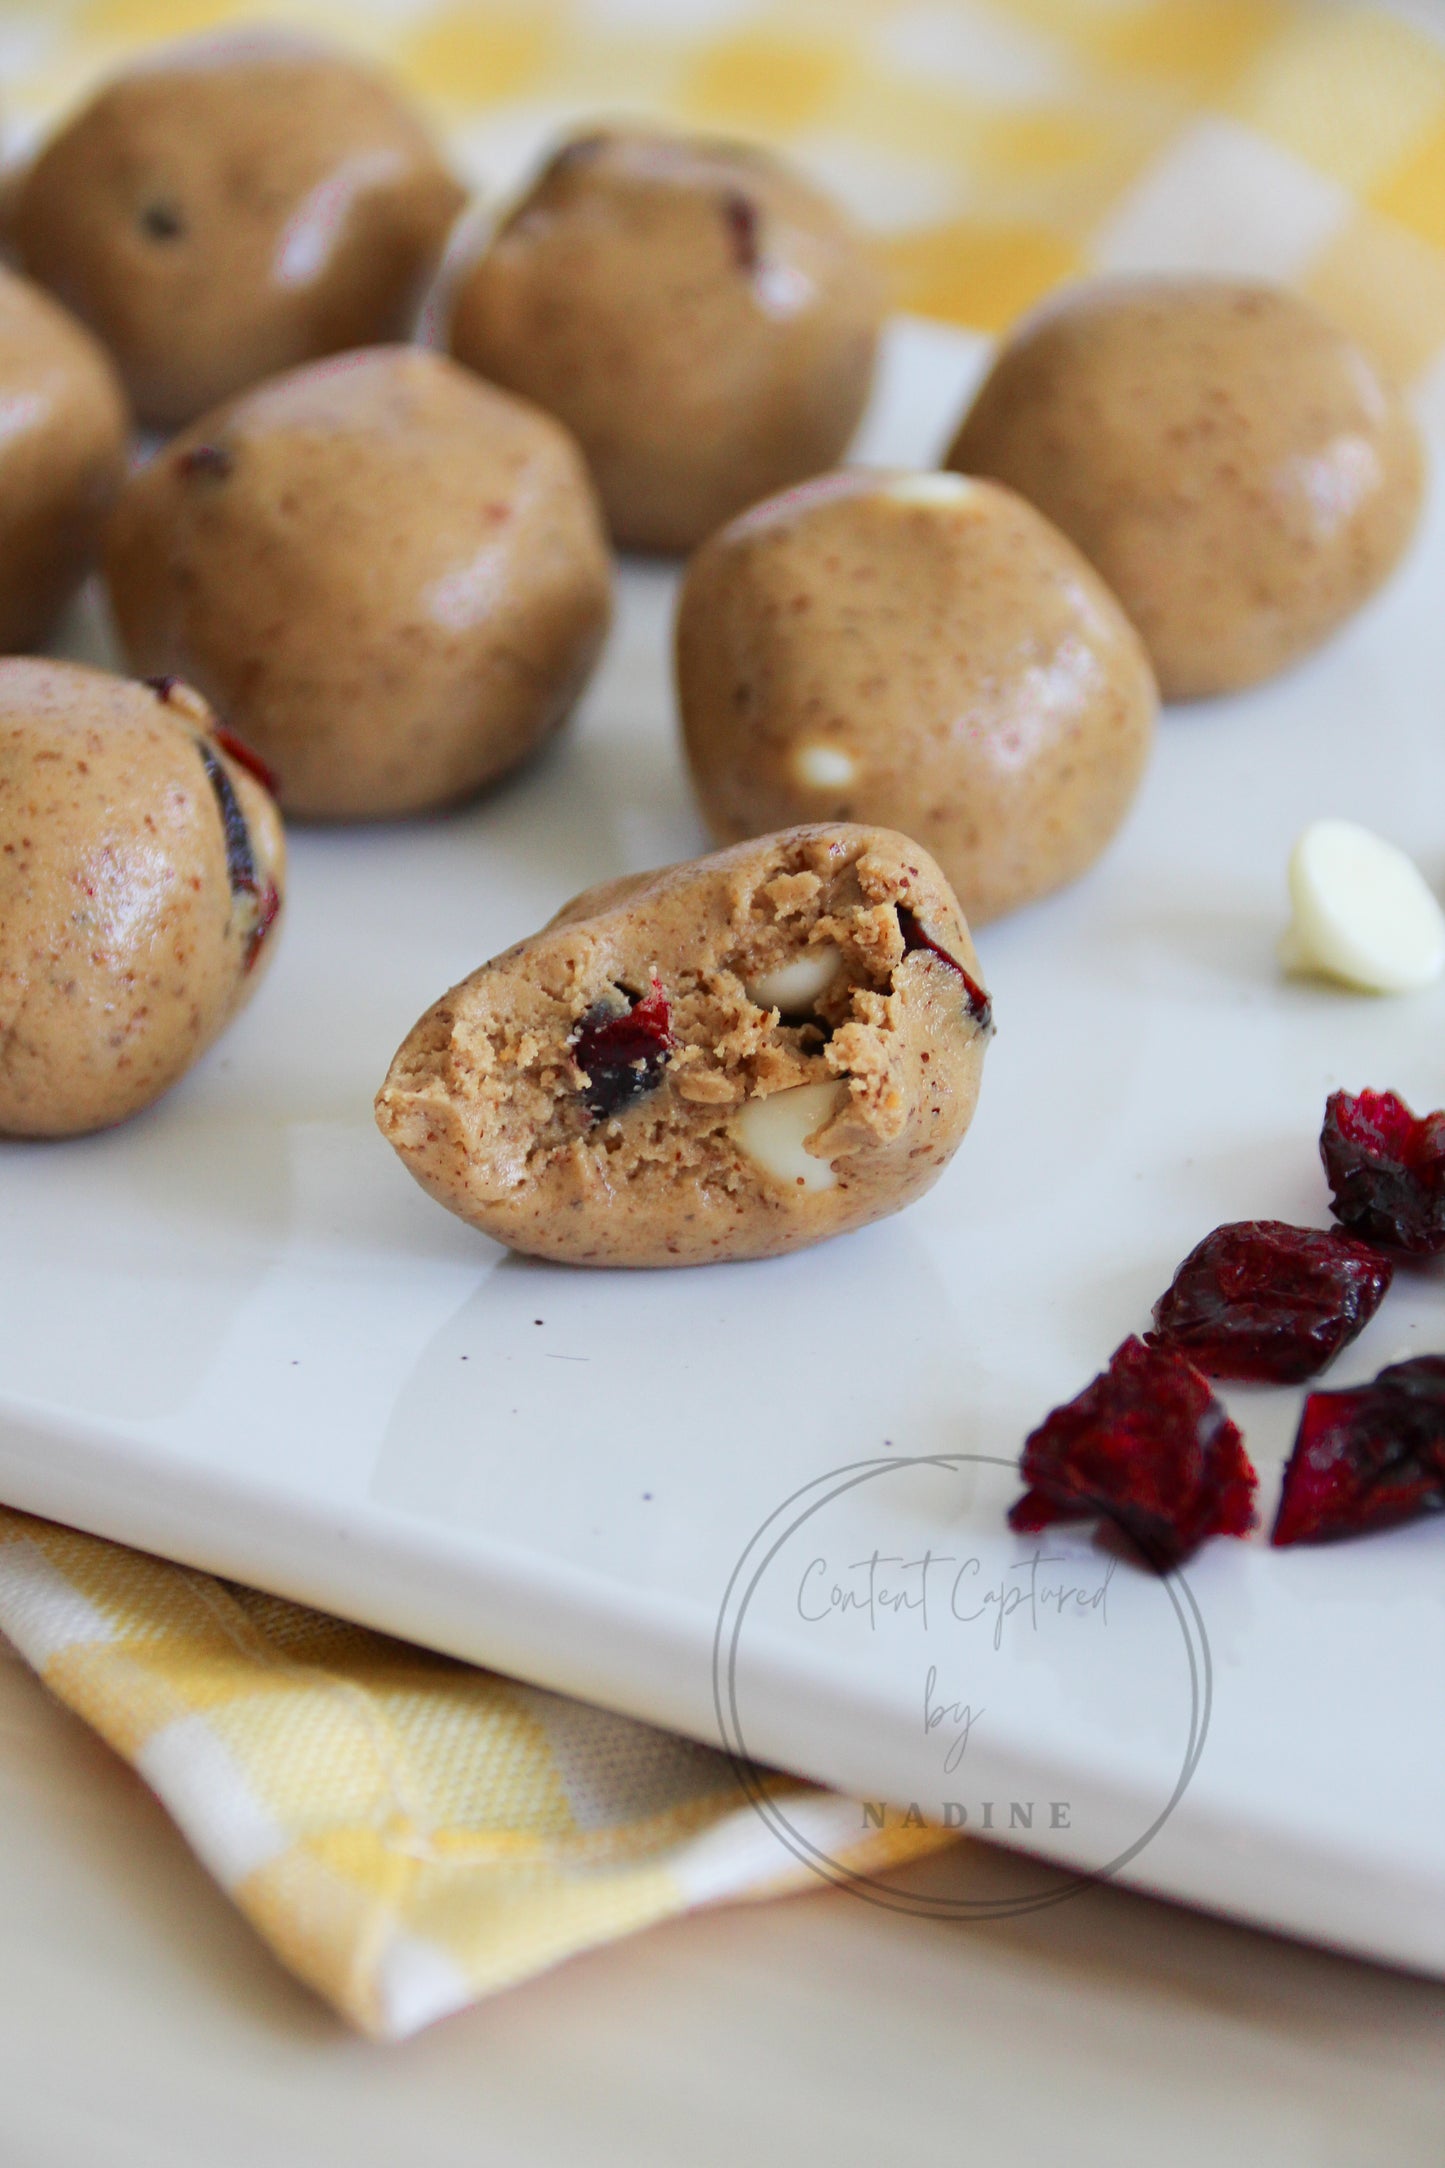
391,578
141,867
922,651
1237,469
702,319
231,206
62,455
726,1059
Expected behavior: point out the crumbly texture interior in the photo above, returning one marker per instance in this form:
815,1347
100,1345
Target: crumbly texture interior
491,1106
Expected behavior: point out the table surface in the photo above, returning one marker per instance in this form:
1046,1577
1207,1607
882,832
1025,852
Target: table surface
143,2026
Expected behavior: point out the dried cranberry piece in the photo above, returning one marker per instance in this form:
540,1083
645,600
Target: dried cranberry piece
1386,1169
1368,1457
623,1054
980,1007
162,221
245,756
165,689
1148,1446
242,873
268,907
240,857
740,216
212,461
1261,1300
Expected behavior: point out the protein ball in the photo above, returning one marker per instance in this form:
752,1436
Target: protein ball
727,1059
141,867
925,652
231,206
391,578
62,456
1237,469
703,320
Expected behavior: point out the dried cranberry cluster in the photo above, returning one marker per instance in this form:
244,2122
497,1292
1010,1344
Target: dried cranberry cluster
1148,1446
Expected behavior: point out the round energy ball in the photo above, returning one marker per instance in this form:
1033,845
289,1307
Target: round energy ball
141,863
704,322
391,578
231,206
1236,468
920,652
62,456
730,1058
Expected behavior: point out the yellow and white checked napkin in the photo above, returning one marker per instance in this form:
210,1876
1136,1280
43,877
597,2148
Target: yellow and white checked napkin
995,146
409,1833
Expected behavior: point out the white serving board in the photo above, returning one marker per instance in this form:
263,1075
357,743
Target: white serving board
235,1333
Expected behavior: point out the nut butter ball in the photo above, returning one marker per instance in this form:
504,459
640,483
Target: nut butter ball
726,1059
62,456
140,879
922,651
391,578
1235,467
232,206
704,321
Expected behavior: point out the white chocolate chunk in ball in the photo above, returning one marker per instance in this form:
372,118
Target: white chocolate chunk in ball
943,489
823,767
1362,912
772,1132
795,986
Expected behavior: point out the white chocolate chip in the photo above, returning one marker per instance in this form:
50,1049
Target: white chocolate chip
773,1133
1362,912
823,767
175,693
943,489
795,986
782,288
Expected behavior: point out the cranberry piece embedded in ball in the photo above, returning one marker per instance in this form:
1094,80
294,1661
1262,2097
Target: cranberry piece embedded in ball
623,1054
245,756
916,936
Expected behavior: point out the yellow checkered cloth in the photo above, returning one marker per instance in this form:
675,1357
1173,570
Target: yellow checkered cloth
996,146
409,1833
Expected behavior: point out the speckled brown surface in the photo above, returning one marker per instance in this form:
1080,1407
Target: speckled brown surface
703,320
232,206
62,456
968,676
488,1106
391,578
1239,471
140,869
